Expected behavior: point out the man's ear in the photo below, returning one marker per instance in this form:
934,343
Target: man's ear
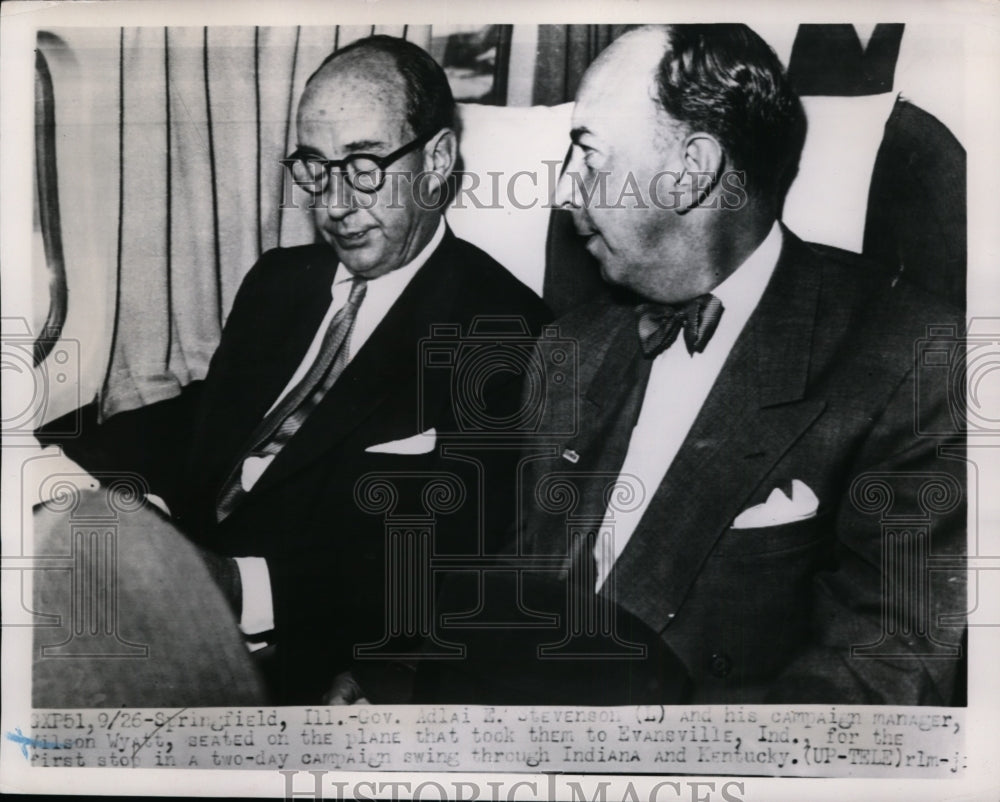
702,158
441,154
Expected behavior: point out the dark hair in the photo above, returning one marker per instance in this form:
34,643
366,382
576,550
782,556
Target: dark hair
430,105
723,79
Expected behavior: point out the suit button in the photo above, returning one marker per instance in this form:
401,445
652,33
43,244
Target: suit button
721,665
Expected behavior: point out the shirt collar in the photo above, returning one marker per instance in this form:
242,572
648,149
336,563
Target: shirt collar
743,288
401,275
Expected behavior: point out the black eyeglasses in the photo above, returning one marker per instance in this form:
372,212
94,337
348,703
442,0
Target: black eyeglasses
364,172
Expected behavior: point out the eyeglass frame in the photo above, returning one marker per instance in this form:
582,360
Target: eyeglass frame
381,162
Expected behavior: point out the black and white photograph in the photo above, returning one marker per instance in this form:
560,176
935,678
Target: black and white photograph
500,402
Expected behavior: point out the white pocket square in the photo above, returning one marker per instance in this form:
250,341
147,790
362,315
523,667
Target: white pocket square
780,509
422,443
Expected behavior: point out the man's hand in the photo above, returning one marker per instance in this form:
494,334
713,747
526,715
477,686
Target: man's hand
226,575
344,690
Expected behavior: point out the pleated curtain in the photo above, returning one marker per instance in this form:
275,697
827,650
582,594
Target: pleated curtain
564,53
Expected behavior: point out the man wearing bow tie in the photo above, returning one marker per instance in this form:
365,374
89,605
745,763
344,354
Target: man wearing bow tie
736,414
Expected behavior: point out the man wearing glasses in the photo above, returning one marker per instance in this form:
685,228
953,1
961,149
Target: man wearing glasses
317,382
376,145
356,106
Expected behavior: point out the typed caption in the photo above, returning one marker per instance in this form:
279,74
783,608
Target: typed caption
761,740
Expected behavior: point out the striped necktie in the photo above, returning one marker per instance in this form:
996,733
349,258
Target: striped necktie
282,422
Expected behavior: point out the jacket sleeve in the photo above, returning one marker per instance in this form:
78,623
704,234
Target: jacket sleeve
154,440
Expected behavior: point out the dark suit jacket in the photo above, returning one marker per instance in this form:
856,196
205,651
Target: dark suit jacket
821,386
326,554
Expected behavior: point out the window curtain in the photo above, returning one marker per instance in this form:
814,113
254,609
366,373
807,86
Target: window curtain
564,53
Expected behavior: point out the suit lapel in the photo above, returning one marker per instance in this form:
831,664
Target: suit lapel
612,402
607,412
755,411
386,364
262,359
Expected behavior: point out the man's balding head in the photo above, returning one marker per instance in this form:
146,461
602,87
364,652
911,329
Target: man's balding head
395,65
722,79
684,138
725,80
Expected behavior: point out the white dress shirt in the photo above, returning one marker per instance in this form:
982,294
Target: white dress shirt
679,383
381,293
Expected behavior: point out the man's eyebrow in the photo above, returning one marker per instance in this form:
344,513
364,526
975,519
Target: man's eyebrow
579,132
305,150
364,145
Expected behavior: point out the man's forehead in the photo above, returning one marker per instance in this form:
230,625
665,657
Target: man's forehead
618,91
366,97
606,114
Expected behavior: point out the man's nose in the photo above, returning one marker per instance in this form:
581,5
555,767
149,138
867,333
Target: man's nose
338,197
566,197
